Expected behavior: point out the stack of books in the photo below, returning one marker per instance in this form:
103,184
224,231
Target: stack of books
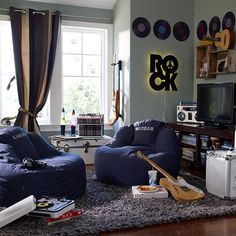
188,154
91,125
189,139
66,216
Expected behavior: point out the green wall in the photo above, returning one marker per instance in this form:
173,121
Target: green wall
145,102
205,10
76,13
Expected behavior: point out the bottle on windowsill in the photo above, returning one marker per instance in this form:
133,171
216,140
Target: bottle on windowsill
73,123
63,122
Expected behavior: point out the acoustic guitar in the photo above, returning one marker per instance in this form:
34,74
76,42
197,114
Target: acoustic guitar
115,108
225,39
179,188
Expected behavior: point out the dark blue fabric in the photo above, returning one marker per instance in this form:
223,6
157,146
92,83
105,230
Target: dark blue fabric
64,175
42,146
8,154
121,166
145,132
18,139
123,137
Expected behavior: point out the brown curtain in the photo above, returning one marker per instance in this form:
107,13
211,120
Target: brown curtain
35,37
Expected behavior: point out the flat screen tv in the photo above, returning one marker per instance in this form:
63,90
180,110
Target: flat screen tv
216,103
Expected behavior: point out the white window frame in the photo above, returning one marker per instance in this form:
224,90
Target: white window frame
56,85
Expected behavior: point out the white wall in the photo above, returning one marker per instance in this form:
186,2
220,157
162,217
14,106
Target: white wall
122,50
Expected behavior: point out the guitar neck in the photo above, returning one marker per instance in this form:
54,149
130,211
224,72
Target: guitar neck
167,175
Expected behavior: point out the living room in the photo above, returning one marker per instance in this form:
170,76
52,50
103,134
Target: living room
133,46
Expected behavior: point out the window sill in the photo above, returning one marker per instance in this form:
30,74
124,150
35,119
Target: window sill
54,128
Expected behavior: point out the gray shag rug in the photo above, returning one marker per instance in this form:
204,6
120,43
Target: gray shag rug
108,208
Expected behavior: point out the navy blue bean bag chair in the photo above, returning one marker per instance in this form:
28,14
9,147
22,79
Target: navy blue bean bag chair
117,163
62,175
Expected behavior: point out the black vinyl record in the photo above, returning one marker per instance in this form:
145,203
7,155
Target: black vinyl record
201,29
214,26
141,27
181,31
162,29
228,21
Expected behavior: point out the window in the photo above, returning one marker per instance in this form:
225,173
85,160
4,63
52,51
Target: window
8,98
83,60
80,79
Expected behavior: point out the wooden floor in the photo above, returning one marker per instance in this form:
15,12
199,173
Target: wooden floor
217,226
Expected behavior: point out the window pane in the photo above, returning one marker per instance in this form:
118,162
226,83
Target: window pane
71,65
7,63
82,94
10,102
91,65
71,42
92,43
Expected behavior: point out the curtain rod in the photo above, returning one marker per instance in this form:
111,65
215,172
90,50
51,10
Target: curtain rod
63,15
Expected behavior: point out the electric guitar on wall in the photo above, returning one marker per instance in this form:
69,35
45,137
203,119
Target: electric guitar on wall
115,108
179,188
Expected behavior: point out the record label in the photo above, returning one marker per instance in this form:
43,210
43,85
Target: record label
201,29
228,21
141,27
162,29
181,31
44,204
214,26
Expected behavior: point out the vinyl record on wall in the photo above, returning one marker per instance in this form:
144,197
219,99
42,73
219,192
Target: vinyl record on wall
162,29
201,29
181,31
141,27
214,26
228,21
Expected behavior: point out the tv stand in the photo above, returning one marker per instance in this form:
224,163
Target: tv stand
199,134
215,126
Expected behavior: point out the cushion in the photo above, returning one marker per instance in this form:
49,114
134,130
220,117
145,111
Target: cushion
123,137
18,139
8,154
145,132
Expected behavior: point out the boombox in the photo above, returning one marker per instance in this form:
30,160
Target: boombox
187,113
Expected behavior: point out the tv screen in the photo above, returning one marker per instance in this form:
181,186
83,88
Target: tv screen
216,103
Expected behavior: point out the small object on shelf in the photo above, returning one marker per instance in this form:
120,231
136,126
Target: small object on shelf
188,154
205,141
63,121
189,139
